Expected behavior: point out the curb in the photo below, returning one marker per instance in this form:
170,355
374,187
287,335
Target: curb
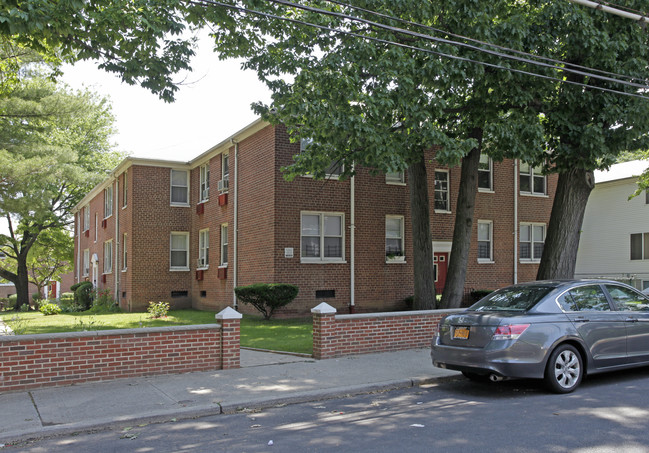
187,413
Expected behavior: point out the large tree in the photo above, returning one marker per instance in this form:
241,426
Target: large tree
54,146
586,128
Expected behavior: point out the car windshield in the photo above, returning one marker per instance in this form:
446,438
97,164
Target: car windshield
517,298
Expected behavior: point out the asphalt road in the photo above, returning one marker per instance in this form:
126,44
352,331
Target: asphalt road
608,413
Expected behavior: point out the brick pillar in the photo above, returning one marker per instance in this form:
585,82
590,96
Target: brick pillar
324,331
230,321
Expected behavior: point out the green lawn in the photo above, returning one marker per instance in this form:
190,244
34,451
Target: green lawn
291,335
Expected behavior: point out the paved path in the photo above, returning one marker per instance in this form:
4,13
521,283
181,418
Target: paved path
265,380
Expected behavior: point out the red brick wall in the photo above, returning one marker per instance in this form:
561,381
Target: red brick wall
341,335
35,361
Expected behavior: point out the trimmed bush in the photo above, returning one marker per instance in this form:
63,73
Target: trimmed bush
83,294
267,297
50,309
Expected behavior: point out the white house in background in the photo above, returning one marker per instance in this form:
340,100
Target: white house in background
614,239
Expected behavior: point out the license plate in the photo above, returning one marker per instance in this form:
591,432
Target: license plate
461,333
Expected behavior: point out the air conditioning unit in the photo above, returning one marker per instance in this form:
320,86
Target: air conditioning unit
200,208
223,185
199,275
205,195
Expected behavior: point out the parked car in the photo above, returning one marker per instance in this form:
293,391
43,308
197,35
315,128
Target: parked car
558,331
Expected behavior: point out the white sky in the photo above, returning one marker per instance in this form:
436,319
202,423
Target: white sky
214,103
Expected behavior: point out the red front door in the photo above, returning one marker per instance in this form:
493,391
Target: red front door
440,264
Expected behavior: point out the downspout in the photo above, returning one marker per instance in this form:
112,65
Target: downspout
79,246
235,252
117,241
515,221
352,244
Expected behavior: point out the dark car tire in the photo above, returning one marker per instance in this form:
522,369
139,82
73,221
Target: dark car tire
475,377
565,369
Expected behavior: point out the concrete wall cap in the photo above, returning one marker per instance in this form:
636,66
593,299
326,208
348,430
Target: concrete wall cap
323,309
228,313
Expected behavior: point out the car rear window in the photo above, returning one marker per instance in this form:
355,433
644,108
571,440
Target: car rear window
518,298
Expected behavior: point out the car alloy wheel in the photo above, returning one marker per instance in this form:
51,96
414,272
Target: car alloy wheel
564,370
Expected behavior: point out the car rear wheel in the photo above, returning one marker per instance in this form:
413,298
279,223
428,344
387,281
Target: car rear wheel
565,370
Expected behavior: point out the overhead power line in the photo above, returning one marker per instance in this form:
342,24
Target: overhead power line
244,10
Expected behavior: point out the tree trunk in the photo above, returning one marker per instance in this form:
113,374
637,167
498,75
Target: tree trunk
421,237
456,276
562,239
21,283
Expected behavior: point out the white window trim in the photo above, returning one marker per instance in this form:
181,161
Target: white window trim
491,178
108,269
204,180
86,218
186,235
532,225
171,186
223,260
202,265
124,252
396,182
125,190
491,242
108,207
86,263
322,259
448,193
402,258
530,174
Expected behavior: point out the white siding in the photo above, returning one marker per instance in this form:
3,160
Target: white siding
609,220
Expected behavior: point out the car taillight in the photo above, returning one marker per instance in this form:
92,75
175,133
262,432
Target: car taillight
509,331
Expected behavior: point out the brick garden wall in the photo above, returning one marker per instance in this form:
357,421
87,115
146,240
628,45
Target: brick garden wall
45,360
341,335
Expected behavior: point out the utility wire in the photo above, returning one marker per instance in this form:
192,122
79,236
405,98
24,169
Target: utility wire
451,42
484,43
212,3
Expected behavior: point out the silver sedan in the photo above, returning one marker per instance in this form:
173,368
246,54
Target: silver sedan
558,331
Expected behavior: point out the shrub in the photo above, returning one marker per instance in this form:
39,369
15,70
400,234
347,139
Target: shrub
67,297
267,297
50,309
104,302
12,300
83,294
24,307
158,309
478,294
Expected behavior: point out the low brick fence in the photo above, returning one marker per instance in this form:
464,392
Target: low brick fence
341,335
44,360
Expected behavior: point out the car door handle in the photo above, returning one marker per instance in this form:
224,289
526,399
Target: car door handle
581,319
631,320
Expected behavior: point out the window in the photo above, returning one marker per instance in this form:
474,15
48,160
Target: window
586,298
485,241
626,299
86,218
108,257
203,248
393,236
334,169
395,178
640,246
179,187
204,188
125,190
322,237
96,226
532,240
441,191
179,253
86,262
225,165
532,179
485,173
108,202
124,252
224,244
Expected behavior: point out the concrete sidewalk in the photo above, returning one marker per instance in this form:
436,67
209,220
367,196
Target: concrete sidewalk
265,380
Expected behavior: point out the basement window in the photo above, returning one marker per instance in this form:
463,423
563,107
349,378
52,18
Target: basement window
325,293
175,294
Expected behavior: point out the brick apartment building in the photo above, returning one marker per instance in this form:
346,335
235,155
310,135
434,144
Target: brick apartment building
189,232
